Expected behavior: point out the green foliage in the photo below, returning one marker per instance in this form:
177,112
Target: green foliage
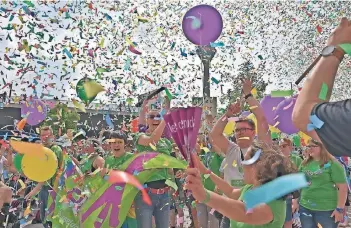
246,70
62,117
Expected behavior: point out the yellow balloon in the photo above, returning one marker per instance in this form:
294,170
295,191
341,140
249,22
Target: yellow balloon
229,128
40,166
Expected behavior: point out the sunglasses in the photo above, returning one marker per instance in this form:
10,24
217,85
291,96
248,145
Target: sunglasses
239,130
312,146
158,116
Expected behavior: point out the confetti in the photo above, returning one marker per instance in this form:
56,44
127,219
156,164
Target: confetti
323,92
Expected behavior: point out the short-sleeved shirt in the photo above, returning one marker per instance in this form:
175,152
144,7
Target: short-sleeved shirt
336,131
231,165
278,208
163,146
112,162
295,159
322,193
58,152
213,162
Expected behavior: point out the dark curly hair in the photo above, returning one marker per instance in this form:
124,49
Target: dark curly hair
271,163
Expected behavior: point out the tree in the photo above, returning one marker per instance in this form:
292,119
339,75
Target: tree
246,70
62,117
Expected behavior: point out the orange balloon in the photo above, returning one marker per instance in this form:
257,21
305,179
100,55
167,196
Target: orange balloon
21,124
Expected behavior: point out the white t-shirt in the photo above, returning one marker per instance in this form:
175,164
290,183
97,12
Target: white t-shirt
231,165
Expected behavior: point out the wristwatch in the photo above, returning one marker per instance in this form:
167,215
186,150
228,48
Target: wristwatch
248,95
333,51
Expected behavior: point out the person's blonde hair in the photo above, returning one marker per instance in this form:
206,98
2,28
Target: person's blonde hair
47,128
325,156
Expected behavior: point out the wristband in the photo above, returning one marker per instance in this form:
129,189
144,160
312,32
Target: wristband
208,197
340,210
346,48
248,95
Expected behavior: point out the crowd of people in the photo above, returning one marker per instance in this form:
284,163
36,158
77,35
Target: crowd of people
225,168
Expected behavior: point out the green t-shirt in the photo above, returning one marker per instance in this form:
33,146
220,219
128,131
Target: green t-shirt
322,194
296,160
163,146
278,208
112,162
58,152
213,162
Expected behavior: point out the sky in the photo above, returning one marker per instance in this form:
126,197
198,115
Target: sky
283,38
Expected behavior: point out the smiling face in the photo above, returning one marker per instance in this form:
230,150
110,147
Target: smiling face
153,120
244,133
314,150
46,136
117,146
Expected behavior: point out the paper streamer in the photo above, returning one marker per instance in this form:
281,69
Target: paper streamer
274,190
253,159
346,48
282,93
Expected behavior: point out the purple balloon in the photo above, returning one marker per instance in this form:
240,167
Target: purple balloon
284,112
36,111
202,25
267,104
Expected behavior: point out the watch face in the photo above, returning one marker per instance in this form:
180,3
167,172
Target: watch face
328,50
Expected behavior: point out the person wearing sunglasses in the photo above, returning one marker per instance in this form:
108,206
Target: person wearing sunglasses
91,159
323,201
157,188
262,163
245,132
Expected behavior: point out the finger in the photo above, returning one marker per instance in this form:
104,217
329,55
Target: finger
193,180
193,172
344,22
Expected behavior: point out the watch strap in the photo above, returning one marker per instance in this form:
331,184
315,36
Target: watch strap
339,53
308,70
248,95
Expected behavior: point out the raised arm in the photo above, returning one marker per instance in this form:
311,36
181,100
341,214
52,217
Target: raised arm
217,131
142,114
255,107
324,72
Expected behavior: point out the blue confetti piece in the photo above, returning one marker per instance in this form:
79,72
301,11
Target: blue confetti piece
5,136
69,55
218,44
22,221
327,165
296,215
127,64
274,190
315,123
162,113
108,17
135,173
109,121
106,177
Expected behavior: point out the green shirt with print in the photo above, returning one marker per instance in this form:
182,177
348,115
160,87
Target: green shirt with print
213,162
112,162
278,208
163,146
58,152
296,160
321,194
